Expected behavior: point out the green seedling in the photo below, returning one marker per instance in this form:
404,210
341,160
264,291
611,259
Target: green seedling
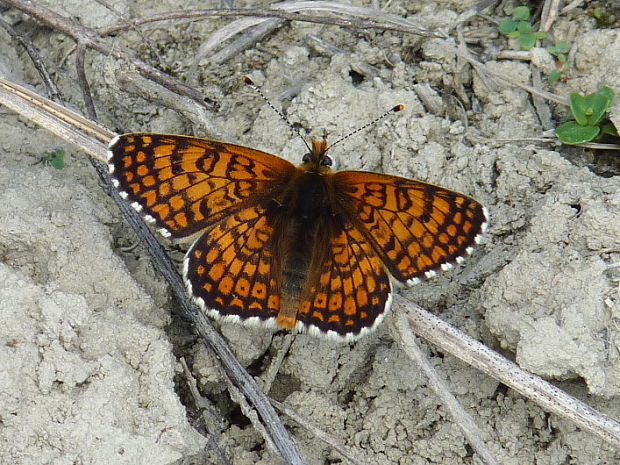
55,159
589,113
559,51
603,18
520,28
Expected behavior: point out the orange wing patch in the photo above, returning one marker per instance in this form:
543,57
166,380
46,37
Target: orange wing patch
413,226
349,292
184,184
230,270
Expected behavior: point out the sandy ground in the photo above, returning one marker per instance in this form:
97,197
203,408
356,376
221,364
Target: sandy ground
89,350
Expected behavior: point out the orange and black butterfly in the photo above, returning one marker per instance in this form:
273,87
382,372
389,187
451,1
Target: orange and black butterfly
295,247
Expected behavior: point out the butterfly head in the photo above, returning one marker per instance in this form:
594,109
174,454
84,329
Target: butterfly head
317,158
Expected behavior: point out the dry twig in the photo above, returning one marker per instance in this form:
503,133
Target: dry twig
212,422
37,60
440,387
90,38
550,11
345,451
476,354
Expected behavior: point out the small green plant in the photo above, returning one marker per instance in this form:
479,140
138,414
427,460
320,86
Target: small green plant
559,51
519,28
55,159
589,113
603,18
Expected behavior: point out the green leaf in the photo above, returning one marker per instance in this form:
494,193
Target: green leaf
555,76
58,160
579,108
603,19
591,109
524,27
513,35
540,35
527,41
572,133
561,58
609,93
609,129
598,106
506,27
55,159
561,47
521,13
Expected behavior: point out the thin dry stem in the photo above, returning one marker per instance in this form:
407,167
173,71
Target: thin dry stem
345,451
213,423
550,12
484,70
271,372
549,397
440,387
289,11
37,60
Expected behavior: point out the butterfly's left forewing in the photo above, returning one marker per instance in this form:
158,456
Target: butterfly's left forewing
414,227
184,184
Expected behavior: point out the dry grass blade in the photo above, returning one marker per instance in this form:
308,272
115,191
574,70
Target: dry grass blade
89,136
484,359
440,387
246,40
347,453
391,22
356,17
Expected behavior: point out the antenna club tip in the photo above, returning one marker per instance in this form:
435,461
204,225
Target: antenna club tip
398,108
248,81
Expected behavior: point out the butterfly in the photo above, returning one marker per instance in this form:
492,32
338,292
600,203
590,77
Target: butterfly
301,248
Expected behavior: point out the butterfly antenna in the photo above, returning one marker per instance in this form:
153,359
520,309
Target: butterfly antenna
395,109
251,83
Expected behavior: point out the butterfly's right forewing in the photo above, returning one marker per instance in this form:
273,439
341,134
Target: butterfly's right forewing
184,184
233,270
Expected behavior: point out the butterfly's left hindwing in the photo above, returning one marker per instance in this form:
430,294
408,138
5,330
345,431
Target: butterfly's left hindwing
348,290
184,184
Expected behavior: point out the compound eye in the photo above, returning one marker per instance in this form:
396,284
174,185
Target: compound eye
306,158
327,160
